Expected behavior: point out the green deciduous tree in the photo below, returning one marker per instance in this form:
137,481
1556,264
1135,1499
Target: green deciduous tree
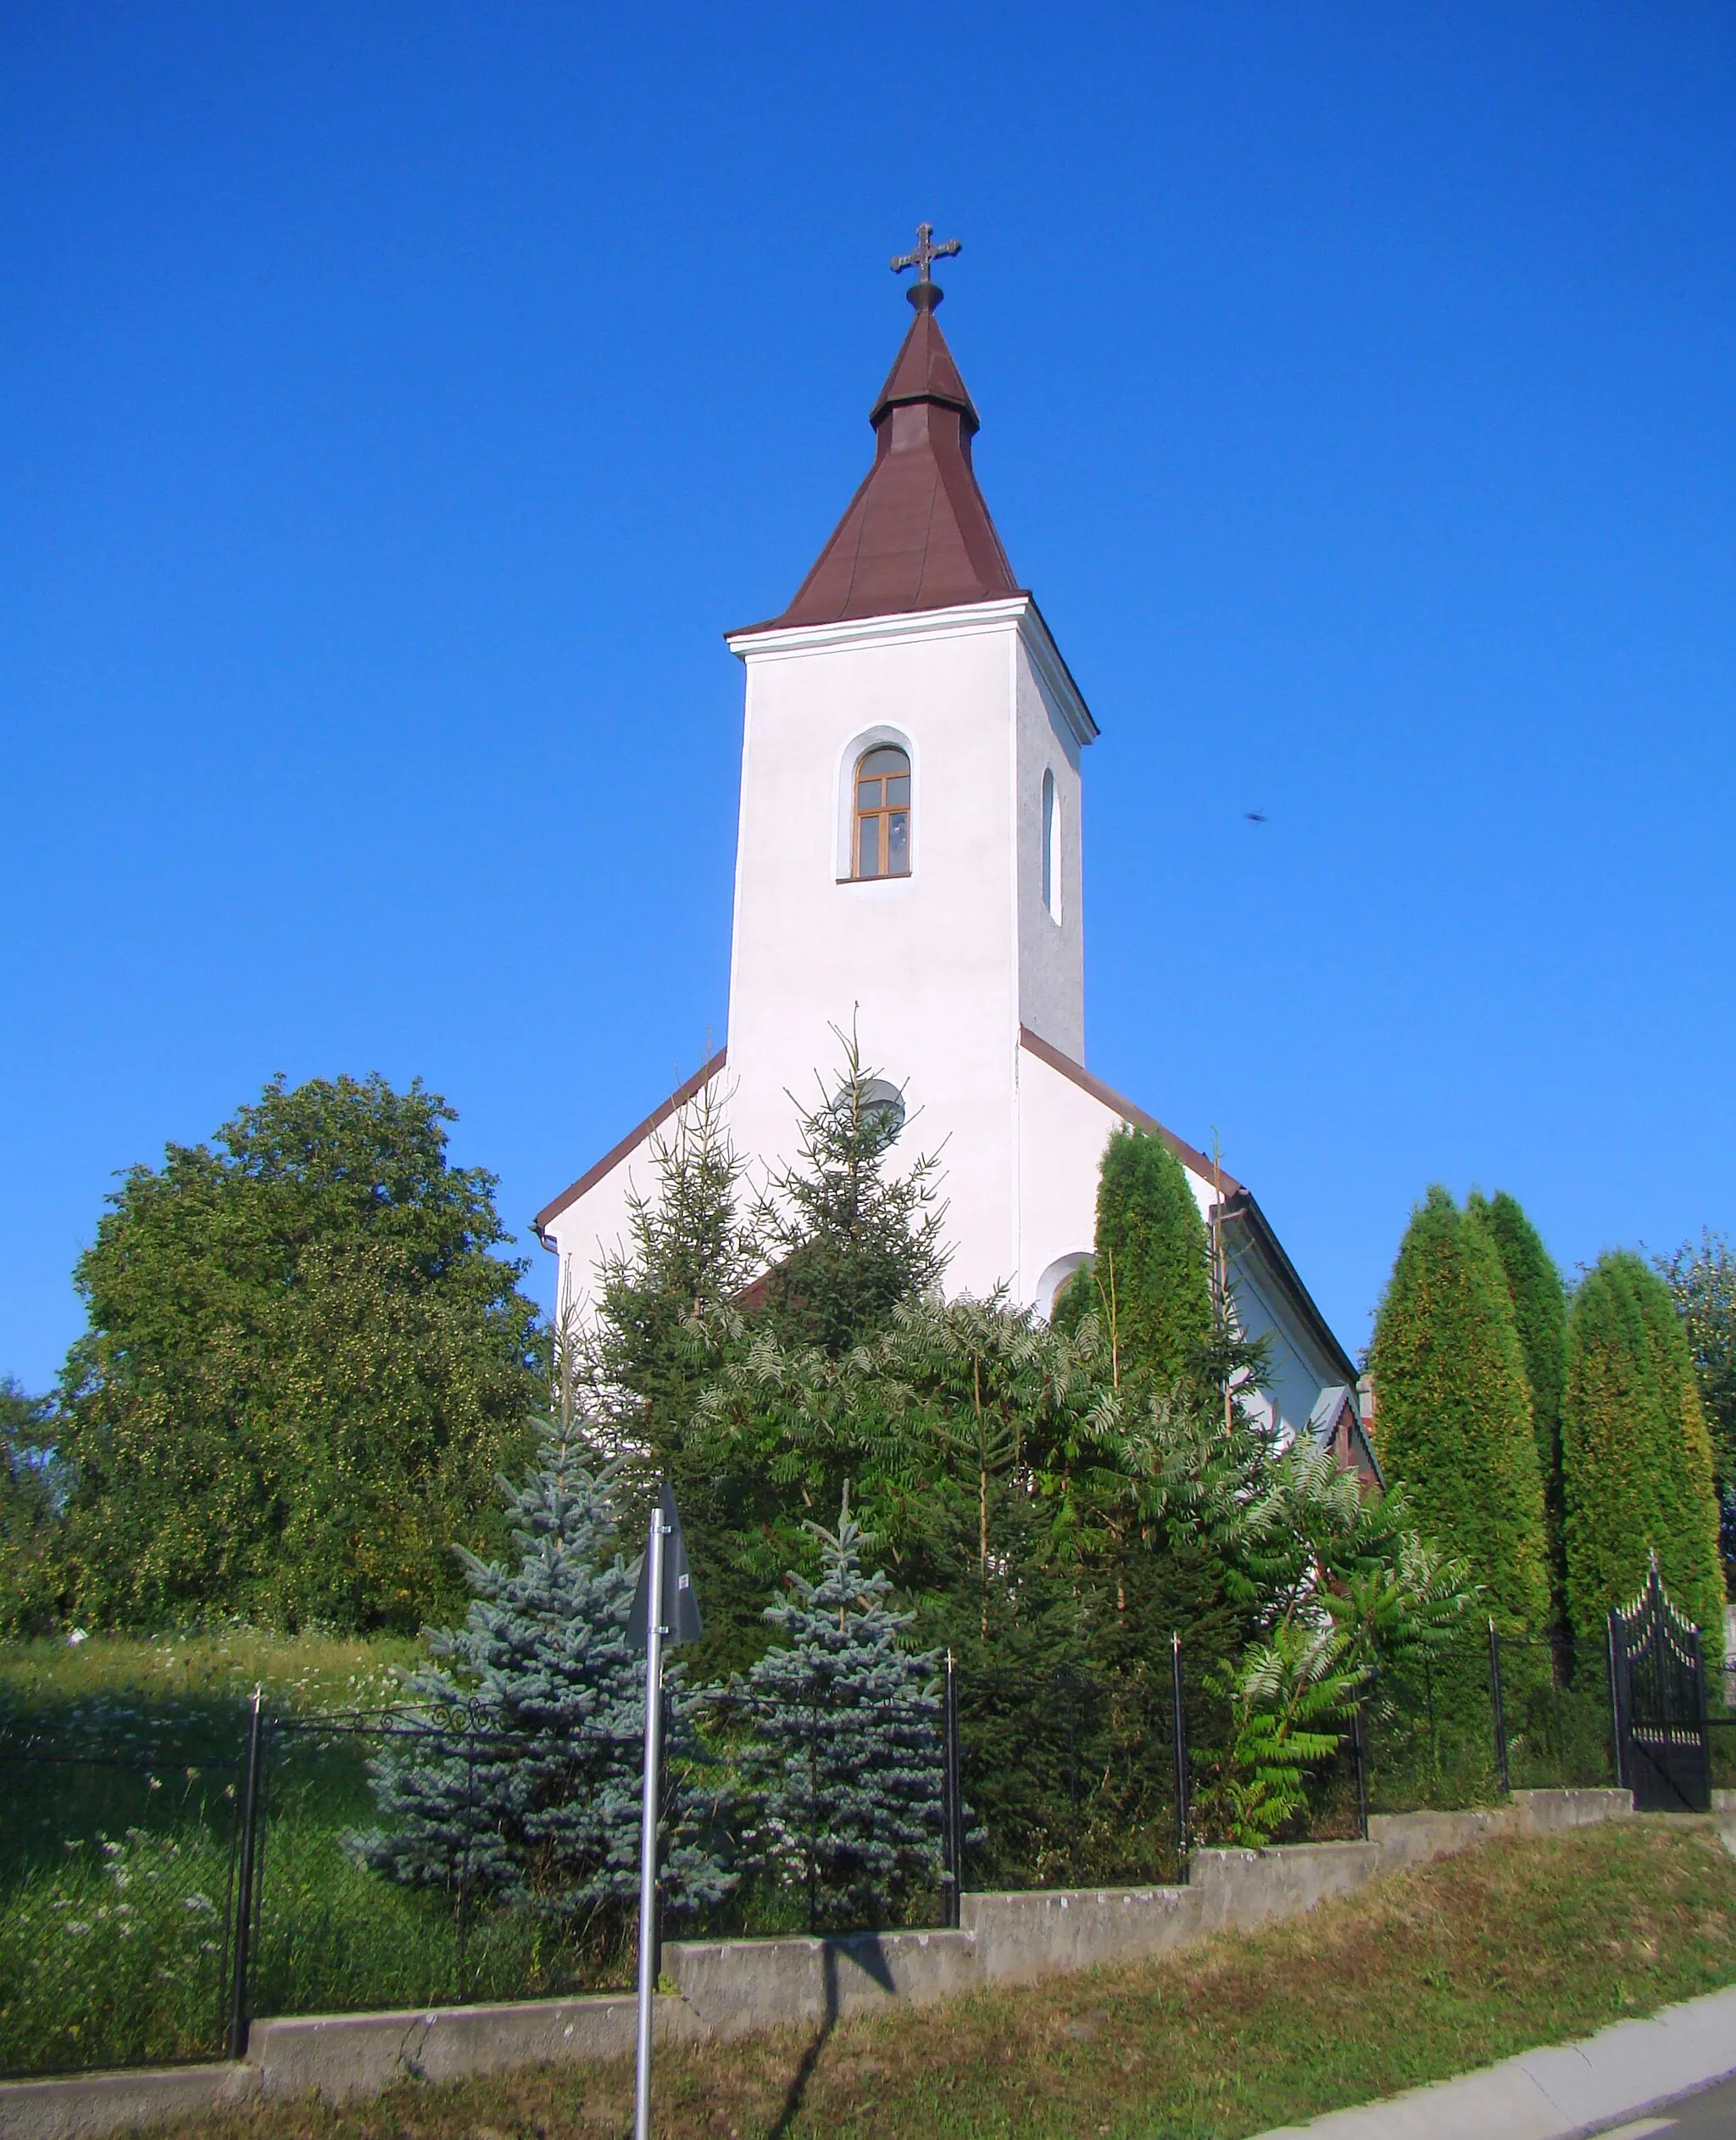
32,1492
1540,1315
304,1367
1638,1462
1702,1282
1149,1279
1453,1413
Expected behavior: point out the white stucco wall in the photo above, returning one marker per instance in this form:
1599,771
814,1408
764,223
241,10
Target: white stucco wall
929,966
1051,946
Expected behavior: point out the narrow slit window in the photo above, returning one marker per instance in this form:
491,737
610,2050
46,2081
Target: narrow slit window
882,813
1051,847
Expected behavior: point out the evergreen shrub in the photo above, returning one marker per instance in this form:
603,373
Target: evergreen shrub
1637,1457
845,1756
1452,1419
1540,1316
523,1785
1148,1281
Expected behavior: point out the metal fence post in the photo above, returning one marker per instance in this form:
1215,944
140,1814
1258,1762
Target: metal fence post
1496,1710
952,1800
241,1957
1178,1749
1359,1755
463,1873
1623,1782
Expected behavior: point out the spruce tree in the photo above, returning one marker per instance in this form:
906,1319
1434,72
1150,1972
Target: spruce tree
1637,1456
1453,1414
846,1238
689,1254
1149,1280
846,1757
663,1326
522,1779
1540,1313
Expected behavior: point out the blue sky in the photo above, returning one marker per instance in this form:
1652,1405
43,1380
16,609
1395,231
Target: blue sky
397,403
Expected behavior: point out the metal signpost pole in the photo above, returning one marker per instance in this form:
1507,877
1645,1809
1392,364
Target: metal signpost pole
648,1823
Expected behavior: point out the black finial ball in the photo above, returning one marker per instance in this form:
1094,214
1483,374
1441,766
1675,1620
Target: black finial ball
925,296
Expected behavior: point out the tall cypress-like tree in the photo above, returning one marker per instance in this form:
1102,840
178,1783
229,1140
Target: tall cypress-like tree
847,1746
1149,1280
1638,1463
1453,1414
1540,1314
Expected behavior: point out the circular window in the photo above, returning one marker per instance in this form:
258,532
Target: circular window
879,1104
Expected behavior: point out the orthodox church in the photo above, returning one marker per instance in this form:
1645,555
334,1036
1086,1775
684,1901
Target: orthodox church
911,852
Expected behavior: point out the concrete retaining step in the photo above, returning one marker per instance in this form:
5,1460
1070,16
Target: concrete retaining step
732,1988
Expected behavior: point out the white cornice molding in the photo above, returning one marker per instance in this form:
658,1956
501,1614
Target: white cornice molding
968,621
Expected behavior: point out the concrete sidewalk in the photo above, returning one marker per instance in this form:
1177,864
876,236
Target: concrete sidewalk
1558,2094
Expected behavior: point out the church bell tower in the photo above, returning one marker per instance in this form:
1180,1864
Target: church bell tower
910,849
909,858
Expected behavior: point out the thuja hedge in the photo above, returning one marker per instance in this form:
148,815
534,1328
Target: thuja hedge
1637,1457
1541,1317
1148,1280
1454,1420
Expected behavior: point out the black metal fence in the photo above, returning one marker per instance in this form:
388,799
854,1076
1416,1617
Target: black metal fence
118,1886
153,1896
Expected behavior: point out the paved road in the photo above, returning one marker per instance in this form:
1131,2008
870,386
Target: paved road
1709,2115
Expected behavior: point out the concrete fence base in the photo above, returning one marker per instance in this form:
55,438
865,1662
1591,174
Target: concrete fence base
734,1988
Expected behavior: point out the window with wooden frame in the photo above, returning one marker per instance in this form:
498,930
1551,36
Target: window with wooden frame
881,844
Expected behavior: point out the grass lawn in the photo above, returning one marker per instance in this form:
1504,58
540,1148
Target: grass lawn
214,1673
1444,1969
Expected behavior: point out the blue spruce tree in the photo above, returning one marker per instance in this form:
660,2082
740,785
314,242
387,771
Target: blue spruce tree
518,1777
846,1759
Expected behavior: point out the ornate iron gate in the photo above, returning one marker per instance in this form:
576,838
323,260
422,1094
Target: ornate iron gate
1657,1691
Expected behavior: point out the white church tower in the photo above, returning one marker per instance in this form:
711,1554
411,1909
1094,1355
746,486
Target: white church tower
910,857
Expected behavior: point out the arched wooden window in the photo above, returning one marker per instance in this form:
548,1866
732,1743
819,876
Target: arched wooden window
881,847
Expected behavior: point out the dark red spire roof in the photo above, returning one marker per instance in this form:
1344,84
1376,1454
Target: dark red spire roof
917,535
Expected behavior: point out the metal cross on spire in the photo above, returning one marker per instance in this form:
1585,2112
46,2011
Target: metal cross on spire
925,293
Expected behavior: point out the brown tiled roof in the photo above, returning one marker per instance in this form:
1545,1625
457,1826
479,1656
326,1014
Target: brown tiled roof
917,534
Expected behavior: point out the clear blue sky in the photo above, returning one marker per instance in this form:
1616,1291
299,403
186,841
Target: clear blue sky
397,402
